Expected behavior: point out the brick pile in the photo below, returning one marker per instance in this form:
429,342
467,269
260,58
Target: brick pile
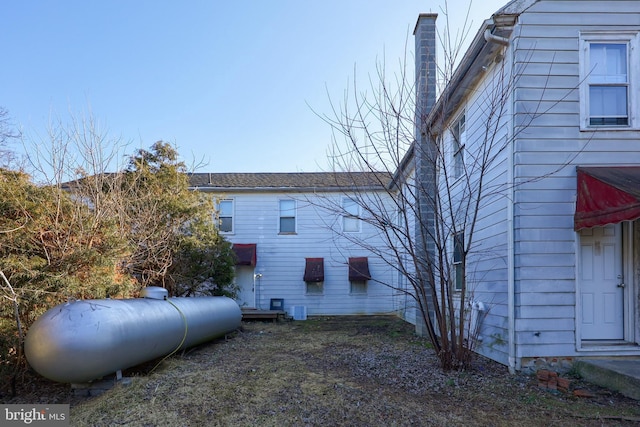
550,380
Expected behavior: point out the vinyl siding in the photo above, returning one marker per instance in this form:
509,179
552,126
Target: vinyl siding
543,116
547,150
281,257
487,266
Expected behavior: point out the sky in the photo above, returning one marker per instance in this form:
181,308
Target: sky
237,85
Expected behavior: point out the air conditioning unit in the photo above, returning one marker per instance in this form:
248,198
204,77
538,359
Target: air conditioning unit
299,312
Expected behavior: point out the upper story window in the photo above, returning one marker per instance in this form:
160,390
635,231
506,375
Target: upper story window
287,216
225,215
351,216
459,139
607,79
608,84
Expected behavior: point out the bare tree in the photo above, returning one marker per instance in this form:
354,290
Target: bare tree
440,180
8,134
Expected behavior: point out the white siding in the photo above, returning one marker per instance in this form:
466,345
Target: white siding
543,119
547,150
281,257
487,266
407,302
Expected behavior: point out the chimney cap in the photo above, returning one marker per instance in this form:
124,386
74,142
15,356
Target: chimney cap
430,16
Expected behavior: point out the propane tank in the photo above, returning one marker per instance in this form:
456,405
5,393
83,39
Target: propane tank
84,340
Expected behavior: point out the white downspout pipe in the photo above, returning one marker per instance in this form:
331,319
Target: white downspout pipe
256,284
492,38
511,284
511,294
511,334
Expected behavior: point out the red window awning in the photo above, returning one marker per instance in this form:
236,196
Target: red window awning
314,270
246,253
359,269
607,195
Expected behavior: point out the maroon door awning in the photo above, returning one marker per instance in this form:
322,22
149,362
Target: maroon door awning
359,269
314,270
607,195
245,253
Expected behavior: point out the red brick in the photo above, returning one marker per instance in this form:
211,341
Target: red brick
582,393
543,375
563,384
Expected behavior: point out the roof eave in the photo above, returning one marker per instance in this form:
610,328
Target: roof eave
208,189
479,56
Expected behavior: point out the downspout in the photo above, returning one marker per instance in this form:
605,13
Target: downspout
492,38
511,282
511,294
256,285
511,335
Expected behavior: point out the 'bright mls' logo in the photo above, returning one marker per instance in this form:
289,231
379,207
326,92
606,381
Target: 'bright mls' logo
49,415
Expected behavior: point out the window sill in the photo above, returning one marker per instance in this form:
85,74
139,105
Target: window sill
608,128
287,233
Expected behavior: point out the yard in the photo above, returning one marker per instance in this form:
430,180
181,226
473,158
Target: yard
331,371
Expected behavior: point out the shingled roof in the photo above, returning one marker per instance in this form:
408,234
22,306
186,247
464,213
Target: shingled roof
289,181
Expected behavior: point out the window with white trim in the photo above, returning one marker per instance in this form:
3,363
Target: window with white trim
607,69
351,215
225,216
459,139
287,216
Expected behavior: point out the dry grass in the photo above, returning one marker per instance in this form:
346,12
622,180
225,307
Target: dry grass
337,371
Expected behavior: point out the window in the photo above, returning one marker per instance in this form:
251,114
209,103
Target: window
351,216
314,288
608,84
287,216
225,216
459,135
358,287
458,267
314,275
359,274
607,78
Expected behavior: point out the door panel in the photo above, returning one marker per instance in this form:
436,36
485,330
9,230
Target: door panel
244,280
601,296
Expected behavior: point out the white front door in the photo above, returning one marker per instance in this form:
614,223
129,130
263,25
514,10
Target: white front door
245,282
601,278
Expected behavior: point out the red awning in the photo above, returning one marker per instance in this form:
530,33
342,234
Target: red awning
607,195
314,270
359,269
245,253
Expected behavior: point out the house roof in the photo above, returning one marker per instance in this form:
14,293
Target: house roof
469,71
515,7
296,181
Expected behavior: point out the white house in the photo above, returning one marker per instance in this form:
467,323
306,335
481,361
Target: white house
293,234
555,258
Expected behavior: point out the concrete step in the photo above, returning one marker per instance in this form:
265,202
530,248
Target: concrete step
618,374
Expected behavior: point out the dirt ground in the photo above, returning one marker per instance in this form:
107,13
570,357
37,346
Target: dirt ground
330,371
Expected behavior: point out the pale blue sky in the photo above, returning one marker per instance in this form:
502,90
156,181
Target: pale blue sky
231,81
